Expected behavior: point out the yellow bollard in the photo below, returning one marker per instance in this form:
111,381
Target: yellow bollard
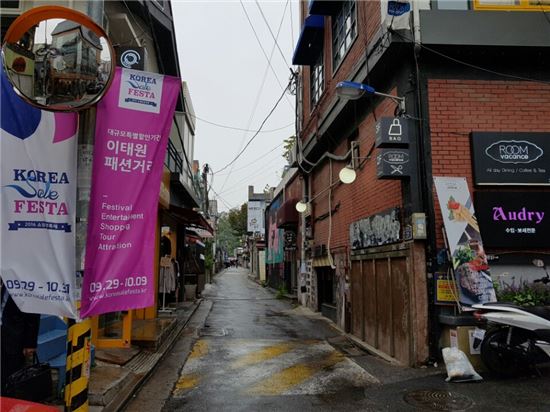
78,365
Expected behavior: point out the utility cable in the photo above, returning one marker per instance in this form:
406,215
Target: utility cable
473,66
250,175
263,50
239,128
271,31
257,132
258,95
257,159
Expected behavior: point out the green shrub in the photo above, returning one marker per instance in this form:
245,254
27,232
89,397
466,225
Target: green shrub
281,292
525,294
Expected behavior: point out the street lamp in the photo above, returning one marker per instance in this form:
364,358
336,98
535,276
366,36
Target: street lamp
301,206
353,91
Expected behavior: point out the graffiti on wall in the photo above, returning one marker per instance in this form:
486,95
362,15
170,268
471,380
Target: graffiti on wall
380,229
275,239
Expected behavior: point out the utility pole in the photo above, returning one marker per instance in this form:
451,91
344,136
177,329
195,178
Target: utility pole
79,333
205,171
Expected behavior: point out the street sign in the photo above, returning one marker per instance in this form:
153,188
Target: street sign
392,131
392,163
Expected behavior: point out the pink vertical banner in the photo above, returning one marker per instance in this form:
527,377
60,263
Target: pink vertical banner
132,131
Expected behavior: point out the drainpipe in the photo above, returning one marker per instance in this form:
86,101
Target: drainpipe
416,23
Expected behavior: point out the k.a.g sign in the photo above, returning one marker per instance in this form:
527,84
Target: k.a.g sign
511,158
514,219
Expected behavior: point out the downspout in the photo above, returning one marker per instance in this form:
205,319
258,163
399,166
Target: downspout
416,23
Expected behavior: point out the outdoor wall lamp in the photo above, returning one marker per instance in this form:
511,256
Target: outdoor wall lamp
353,91
301,206
347,175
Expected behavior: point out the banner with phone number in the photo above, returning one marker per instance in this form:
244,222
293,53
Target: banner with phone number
132,130
37,205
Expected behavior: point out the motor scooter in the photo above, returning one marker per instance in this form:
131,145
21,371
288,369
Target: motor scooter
517,338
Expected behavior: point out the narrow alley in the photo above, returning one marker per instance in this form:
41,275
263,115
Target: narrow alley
246,350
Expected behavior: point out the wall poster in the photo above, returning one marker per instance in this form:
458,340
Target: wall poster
464,241
380,229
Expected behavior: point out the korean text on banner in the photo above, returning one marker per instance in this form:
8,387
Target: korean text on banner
464,240
37,207
132,130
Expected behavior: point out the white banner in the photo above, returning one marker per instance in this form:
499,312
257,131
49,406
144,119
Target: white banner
256,211
38,200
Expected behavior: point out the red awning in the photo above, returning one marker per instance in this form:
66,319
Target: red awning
190,218
287,215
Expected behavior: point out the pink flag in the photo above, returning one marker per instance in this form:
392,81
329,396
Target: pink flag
132,130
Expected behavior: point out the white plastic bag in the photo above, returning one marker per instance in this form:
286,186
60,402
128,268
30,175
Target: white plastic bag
459,368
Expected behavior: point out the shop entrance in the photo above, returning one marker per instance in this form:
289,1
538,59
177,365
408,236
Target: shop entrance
326,291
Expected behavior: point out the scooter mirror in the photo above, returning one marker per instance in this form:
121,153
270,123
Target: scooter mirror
58,59
538,263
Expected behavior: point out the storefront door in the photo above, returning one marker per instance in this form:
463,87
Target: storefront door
113,330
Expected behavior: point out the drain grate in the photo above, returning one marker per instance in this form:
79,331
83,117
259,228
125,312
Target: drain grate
436,400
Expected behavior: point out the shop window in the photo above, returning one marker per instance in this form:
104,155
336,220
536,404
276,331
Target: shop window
9,4
511,5
317,81
344,32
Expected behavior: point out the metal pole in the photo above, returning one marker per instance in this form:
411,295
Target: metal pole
79,332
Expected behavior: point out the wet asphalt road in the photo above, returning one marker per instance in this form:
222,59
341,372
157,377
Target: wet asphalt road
244,350
256,352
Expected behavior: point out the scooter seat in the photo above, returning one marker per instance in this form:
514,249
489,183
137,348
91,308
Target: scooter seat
542,311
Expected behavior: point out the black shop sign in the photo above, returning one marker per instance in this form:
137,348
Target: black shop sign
392,131
130,57
393,163
511,158
514,219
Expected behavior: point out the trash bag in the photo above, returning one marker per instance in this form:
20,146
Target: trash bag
31,383
459,368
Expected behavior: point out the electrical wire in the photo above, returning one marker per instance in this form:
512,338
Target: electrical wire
263,50
249,176
239,128
271,31
473,66
257,159
257,132
258,95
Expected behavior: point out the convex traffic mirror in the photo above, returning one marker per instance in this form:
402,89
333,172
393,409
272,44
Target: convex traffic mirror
58,59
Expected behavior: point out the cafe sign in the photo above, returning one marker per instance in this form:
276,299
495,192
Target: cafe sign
511,158
514,219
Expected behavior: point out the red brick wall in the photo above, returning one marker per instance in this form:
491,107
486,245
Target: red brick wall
458,107
368,23
364,197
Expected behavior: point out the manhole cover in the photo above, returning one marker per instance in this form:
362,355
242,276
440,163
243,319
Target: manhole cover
438,400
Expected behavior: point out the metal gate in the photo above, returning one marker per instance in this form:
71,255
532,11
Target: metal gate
389,305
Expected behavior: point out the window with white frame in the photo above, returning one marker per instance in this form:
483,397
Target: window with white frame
344,31
317,80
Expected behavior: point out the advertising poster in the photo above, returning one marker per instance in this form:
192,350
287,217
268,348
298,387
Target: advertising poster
38,152
445,289
275,241
255,216
132,129
464,241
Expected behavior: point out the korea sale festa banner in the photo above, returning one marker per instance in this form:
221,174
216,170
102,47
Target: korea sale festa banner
38,152
132,130
464,240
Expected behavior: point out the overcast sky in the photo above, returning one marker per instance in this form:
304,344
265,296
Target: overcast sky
232,84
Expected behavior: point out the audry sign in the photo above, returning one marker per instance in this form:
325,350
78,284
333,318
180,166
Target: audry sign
37,205
132,128
514,219
511,158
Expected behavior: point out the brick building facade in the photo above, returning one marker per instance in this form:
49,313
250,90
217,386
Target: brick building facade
455,83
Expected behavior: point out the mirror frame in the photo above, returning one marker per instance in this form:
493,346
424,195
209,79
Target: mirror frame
34,16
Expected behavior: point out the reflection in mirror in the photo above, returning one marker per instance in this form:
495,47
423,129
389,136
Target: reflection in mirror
59,65
538,263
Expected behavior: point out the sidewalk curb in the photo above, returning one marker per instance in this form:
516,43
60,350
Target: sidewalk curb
137,381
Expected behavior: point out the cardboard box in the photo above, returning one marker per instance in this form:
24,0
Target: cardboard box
462,338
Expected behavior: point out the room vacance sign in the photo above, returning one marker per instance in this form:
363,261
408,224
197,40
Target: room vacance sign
511,158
